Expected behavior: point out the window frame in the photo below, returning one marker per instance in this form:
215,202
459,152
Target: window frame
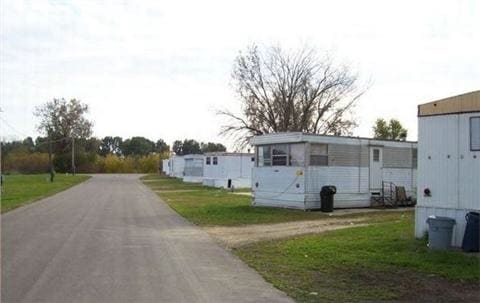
471,133
280,156
207,161
214,160
326,155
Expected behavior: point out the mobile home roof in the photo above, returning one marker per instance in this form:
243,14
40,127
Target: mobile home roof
465,103
292,137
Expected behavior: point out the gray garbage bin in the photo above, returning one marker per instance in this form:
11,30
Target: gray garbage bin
440,232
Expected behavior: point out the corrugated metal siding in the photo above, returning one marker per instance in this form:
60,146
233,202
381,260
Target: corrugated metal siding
406,177
351,182
347,155
194,167
422,213
397,157
177,164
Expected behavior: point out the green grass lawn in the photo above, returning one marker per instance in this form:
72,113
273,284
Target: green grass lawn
207,206
19,190
382,261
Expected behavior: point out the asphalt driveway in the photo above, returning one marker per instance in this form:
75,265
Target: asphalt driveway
110,239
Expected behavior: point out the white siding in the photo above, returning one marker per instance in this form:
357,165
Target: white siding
193,170
236,167
351,183
282,186
438,160
448,167
166,166
469,168
406,177
177,165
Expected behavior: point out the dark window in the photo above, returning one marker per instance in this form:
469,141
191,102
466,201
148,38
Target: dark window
215,160
319,154
414,157
207,161
253,159
376,155
475,133
279,154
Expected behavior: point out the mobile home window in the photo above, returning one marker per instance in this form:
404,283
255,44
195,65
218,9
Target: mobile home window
215,160
207,161
414,157
475,133
264,155
297,154
376,155
279,154
318,154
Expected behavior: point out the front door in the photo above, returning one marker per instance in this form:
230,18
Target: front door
376,165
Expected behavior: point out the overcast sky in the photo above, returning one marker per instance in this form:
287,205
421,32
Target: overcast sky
161,69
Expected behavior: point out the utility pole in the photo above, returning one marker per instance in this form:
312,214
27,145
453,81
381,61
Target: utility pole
50,156
73,155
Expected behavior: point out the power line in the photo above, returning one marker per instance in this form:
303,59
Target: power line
13,128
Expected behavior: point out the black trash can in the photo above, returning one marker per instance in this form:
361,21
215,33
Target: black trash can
326,198
471,236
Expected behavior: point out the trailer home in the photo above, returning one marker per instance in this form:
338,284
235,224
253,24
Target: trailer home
448,161
166,167
228,170
193,171
291,168
177,166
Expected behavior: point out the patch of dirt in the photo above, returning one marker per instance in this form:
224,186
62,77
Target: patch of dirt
234,237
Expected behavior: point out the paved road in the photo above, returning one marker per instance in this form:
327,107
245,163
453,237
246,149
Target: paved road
111,239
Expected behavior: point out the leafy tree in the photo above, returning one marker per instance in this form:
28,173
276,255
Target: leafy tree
299,91
188,146
161,147
393,130
62,120
110,145
212,147
138,146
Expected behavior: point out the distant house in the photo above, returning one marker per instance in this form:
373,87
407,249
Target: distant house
166,167
177,166
193,170
291,168
448,161
228,170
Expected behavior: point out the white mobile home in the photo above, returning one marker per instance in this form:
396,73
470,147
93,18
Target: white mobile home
448,161
166,167
228,170
177,166
193,171
291,169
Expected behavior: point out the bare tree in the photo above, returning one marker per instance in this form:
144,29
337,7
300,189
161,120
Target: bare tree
281,91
